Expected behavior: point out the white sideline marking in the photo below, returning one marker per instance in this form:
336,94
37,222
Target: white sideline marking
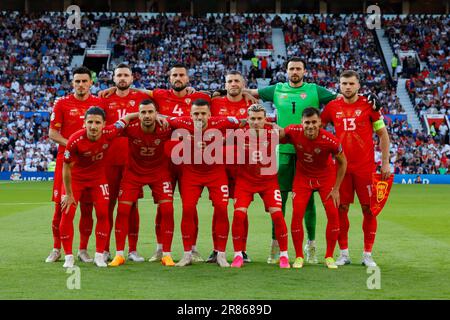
49,202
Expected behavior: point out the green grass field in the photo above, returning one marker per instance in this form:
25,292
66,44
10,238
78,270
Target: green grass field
412,250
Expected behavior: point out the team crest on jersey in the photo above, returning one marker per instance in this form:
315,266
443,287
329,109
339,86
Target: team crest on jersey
105,146
317,150
299,146
137,141
283,96
358,112
157,142
73,112
303,95
339,114
242,111
187,100
87,154
67,154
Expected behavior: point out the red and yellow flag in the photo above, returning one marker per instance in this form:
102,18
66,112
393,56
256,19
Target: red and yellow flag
380,192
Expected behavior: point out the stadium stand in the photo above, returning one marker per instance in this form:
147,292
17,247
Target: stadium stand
428,36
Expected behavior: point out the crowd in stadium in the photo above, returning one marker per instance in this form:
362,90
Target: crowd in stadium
208,46
414,152
429,37
35,54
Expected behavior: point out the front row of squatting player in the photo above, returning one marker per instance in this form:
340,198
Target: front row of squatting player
115,155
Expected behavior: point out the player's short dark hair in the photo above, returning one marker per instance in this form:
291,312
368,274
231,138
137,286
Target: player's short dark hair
234,73
147,102
310,111
349,74
96,111
82,70
296,59
256,107
122,65
201,103
178,65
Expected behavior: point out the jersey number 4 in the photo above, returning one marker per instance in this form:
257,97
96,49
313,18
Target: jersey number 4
177,110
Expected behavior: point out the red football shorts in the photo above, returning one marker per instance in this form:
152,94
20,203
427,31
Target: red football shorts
58,185
95,191
269,192
57,179
231,170
131,186
361,182
192,184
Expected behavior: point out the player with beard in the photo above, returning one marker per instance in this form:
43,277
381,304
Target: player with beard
84,174
355,122
174,102
290,99
116,106
233,104
199,174
147,165
67,118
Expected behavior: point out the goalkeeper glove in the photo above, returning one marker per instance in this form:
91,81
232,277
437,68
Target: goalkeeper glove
374,101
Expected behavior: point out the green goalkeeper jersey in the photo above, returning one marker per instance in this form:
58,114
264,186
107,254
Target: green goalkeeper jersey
290,103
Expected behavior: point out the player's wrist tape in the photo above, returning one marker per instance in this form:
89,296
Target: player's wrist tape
120,124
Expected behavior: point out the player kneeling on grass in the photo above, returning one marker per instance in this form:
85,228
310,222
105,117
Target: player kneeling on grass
258,174
83,175
315,171
147,165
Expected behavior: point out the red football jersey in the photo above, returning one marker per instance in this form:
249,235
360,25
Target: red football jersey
172,106
68,114
89,155
224,107
313,156
117,107
256,160
354,128
208,137
146,156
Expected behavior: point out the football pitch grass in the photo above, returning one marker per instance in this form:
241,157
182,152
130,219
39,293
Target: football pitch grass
412,250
